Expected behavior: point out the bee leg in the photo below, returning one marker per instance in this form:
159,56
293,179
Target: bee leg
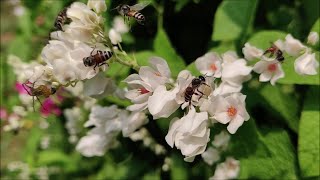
93,50
94,68
24,87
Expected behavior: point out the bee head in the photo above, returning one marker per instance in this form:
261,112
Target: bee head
53,90
196,82
124,8
203,79
88,61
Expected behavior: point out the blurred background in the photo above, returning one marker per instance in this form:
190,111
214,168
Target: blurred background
180,30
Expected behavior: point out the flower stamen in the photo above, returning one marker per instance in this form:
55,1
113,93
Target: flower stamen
143,91
213,67
232,111
272,67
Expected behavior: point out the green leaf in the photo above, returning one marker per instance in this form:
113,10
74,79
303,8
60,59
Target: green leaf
178,167
164,49
291,77
233,19
286,105
142,57
277,163
265,155
263,39
308,142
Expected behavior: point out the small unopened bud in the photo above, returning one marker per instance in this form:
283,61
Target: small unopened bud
313,38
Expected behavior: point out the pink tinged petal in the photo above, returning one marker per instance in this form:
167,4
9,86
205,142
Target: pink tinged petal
277,75
174,124
138,107
251,52
234,124
162,103
222,117
293,46
265,76
3,113
306,64
160,65
260,66
98,85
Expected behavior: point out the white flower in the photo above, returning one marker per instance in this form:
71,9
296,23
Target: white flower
293,46
134,121
98,6
221,140
210,156
66,60
157,74
229,57
230,109
251,52
162,103
190,134
269,71
73,117
313,38
142,85
94,144
99,86
226,88
209,64
227,170
234,70
105,117
138,93
119,25
81,14
306,64
114,36
85,26
18,66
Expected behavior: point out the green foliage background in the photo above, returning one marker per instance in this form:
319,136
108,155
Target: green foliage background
280,141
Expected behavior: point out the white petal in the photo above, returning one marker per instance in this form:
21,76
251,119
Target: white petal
251,52
235,123
98,6
174,124
293,46
162,103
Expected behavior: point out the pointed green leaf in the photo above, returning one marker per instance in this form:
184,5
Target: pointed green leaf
233,19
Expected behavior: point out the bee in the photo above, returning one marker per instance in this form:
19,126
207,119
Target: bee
193,88
132,11
41,90
97,59
275,50
61,19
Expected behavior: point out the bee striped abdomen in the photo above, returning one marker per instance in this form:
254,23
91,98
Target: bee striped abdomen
188,94
103,56
61,19
139,17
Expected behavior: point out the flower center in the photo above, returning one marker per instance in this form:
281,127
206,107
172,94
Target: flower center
143,91
272,67
213,67
157,73
232,111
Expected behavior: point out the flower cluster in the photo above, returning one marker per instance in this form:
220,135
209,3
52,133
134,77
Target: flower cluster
153,90
270,69
107,122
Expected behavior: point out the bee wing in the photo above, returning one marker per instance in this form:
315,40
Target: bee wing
139,6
